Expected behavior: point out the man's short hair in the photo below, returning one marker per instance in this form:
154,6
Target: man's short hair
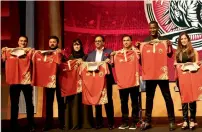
103,38
127,35
54,37
24,36
154,22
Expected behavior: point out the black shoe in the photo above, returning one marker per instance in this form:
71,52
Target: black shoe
62,127
47,128
123,126
145,126
15,128
111,127
76,128
99,126
133,126
172,126
87,126
32,129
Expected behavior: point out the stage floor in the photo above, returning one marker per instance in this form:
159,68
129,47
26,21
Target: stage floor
158,125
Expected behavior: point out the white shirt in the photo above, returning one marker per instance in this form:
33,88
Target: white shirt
98,56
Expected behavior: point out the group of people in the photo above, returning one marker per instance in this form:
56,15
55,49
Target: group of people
72,114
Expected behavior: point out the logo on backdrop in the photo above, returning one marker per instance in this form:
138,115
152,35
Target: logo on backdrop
176,16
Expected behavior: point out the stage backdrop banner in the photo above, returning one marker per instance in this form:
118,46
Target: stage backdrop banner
112,19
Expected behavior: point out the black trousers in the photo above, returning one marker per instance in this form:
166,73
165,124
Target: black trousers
50,92
109,108
77,115
150,91
134,94
14,97
185,109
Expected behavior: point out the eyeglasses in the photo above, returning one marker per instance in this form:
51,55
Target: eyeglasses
98,41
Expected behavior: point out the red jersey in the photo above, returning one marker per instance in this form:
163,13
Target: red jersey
45,68
18,65
69,79
127,68
154,60
190,84
94,90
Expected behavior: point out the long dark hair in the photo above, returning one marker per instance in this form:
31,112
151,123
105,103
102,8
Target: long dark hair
188,49
80,53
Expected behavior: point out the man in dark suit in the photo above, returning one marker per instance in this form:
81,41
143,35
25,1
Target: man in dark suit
102,54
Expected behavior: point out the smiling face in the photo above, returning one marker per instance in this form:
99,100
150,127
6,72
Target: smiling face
153,29
22,42
184,40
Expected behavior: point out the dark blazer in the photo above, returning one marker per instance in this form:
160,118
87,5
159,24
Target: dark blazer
106,54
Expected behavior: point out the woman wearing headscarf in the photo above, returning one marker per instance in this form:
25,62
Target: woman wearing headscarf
77,115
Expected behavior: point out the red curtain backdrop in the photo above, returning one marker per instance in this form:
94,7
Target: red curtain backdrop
109,18
10,30
10,26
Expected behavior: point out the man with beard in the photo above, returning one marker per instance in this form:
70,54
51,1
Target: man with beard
50,92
